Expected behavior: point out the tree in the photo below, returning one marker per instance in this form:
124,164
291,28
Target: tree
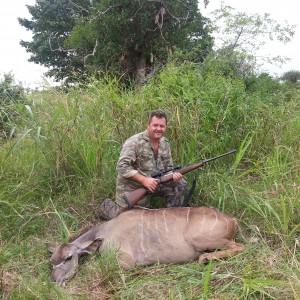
239,36
291,76
127,38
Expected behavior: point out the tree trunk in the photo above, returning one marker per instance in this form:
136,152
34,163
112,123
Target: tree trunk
140,70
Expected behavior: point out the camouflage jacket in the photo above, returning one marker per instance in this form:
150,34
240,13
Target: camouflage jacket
137,155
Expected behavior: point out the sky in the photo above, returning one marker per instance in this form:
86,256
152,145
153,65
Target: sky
14,59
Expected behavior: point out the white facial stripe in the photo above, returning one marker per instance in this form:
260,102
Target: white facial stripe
57,266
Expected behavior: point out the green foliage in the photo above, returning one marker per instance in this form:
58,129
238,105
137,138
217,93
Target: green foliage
11,94
82,38
55,172
229,63
292,76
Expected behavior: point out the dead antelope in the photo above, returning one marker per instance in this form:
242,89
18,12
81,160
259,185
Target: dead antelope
149,236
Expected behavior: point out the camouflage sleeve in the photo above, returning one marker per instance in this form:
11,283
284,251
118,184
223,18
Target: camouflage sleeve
127,159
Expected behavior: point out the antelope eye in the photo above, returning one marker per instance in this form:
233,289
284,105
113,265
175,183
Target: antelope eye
69,258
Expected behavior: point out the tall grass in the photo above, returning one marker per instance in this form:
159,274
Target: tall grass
61,164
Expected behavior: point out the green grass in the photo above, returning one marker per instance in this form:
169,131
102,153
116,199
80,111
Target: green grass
61,164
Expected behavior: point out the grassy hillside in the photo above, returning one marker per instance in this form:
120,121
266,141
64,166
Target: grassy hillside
61,164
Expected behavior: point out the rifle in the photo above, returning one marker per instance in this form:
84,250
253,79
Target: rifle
132,198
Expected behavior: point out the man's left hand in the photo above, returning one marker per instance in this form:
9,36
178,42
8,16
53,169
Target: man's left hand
177,176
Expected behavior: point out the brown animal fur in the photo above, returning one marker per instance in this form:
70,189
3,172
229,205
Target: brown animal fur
148,236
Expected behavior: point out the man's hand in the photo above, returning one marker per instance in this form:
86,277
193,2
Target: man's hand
150,184
177,176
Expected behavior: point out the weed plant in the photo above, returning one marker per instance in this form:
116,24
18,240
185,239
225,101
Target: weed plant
61,163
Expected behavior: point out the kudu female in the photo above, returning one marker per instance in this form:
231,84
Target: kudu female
149,236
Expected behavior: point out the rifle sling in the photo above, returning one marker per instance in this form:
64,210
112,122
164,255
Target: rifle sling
186,202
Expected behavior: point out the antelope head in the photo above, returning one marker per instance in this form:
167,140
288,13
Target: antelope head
65,258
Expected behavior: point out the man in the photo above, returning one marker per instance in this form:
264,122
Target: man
142,154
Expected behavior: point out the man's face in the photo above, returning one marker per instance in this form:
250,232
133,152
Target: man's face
157,128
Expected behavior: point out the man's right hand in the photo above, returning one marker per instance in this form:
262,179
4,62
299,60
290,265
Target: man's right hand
150,183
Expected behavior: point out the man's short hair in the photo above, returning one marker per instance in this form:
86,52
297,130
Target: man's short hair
158,114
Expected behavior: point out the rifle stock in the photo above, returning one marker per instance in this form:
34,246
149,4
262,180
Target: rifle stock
135,196
132,198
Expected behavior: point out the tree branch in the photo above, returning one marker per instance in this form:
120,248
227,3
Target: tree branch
90,54
100,13
79,7
59,47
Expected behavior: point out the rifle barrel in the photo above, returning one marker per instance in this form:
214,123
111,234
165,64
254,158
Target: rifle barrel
216,157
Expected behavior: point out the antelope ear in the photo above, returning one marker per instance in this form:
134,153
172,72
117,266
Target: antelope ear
94,246
90,246
52,246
